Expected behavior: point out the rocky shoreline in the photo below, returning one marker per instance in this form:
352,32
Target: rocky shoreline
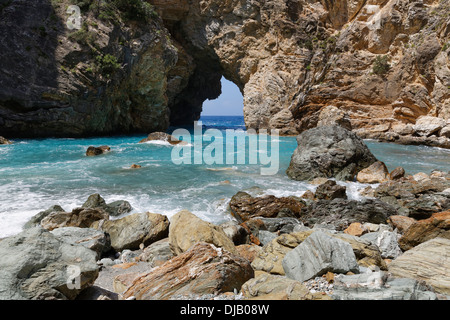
393,244
312,247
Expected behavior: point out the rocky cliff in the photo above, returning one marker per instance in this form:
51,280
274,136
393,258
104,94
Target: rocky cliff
385,63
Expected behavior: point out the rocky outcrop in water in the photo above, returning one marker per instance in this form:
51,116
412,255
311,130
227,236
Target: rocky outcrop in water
329,152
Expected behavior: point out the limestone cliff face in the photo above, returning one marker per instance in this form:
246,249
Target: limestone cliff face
114,75
385,63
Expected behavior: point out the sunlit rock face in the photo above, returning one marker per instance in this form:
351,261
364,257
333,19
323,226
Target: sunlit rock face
382,63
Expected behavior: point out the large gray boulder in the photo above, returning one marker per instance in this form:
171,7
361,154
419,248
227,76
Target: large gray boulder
329,152
36,264
317,255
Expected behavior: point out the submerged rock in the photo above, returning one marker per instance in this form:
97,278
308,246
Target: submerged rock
162,136
330,152
95,151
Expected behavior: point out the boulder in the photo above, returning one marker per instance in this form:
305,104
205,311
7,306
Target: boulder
270,257
274,287
92,239
243,206
429,262
318,254
135,229
157,253
379,285
4,141
401,223
203,269
355,229
330,152
377,172
330,190
162,136
340,213
428,125
37,265
387,243
36,219
438,225
418,197
78,217
397,173
95,151
186,229
114,209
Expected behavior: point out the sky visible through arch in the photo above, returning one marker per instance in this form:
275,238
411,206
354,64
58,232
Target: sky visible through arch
230,102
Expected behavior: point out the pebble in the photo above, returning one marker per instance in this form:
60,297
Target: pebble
319,284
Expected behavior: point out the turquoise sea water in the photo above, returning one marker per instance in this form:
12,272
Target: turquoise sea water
38,173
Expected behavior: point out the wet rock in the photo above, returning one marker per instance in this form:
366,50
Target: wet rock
37,265
330,152
203,269
162,136
114,209
318,254
95,151
330,190
36,219
4,141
